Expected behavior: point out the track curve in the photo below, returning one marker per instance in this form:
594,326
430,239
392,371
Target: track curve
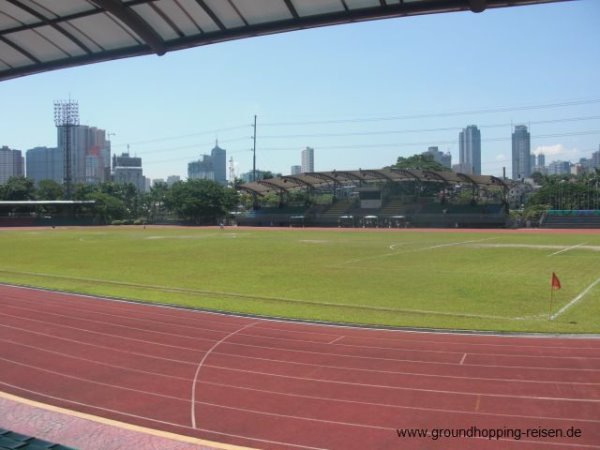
286,385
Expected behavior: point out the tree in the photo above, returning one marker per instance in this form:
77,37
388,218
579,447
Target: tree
49,190
107,207
18,188
155,201
419,162
199,201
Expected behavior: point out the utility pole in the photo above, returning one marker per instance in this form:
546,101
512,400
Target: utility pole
254,152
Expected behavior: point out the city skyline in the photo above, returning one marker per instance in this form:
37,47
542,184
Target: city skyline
353,114
524,162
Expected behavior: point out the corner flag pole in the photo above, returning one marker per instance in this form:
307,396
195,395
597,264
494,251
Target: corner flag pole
554,284
551,298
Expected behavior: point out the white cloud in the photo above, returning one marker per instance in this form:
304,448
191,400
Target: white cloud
501,157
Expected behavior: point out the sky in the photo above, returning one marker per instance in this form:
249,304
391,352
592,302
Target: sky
360,94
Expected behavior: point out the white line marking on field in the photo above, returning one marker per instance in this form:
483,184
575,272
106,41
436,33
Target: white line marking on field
567,249
463,359
336,339
575,300
202,362
452,244
395,253
393,246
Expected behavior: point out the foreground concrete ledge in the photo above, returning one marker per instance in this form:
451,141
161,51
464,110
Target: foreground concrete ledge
85,431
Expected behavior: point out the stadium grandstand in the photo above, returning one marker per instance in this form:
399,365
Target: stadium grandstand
382,198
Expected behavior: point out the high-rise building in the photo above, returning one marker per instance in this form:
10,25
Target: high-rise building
541,160
45,163
445,159
90,153
201,169
210,167
596,159
172,179
521,153
308,160
295,170
559,168
469,142
128,170
218,156
11,164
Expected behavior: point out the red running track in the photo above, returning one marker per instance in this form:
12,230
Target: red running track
285,385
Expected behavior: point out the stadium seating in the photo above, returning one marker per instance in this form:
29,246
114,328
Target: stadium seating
11,440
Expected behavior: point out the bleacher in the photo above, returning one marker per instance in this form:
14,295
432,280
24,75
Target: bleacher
393,207
330,217
11,440
276,217
578,219
426,212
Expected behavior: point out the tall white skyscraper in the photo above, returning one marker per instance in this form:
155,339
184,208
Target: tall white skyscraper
308,160
521,153
469,142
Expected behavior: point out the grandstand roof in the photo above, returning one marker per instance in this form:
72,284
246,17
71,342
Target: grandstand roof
344,177
45,202
42,35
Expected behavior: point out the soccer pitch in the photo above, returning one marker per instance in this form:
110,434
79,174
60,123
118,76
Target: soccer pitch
432,279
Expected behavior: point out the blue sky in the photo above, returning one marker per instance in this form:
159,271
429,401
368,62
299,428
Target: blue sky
361,94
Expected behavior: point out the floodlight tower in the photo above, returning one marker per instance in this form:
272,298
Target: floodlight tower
66,116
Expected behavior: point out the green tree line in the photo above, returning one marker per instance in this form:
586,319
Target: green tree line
192,201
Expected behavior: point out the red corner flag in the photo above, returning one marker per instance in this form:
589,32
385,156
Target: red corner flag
555,281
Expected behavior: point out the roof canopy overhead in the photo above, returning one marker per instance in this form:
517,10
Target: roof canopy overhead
315,180
42,35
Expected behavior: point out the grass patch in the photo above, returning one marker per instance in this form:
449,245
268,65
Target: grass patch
494,281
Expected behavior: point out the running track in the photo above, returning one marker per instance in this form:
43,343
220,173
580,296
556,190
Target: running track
285,385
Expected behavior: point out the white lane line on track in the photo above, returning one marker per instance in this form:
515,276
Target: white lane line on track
315,380
206,355
463,359
230,316
277,338
337,339
402,388
325,353
245,410
282,330
420,408
220,433
287,362
567,249
389,405
445,342
574,301
283,349
162,422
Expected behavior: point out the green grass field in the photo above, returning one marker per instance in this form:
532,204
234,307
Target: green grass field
484,281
